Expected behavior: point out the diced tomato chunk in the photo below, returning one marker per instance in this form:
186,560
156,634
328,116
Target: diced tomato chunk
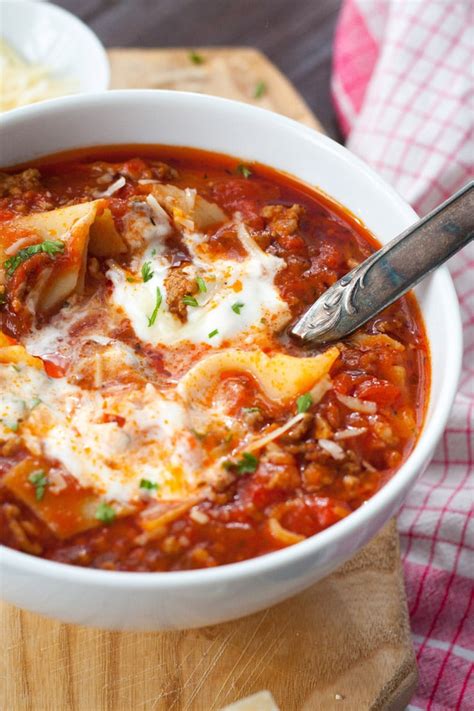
134,167
379,391
313,513
343,383
292,242
54,370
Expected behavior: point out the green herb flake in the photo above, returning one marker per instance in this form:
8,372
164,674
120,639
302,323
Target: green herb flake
159,299
190,300
147,272
237,307
105,513
49,247
40,481
131,280
246,465
35,402
304,402
148,485
201,285
244,171
213,333
260,90
251,409
195,57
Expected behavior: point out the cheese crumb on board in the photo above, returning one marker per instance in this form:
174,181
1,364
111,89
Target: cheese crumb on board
261,701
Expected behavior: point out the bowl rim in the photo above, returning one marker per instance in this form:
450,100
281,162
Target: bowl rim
392,490
78,27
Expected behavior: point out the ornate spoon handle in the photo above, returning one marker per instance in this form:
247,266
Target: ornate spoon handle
389,273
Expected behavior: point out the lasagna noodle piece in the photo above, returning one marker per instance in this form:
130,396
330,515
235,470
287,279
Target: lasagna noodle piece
14,353
188,208
66,512
281,377
73,225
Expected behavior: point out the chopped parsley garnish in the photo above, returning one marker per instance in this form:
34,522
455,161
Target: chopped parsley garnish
195,57
50,247
147,272
148,485
237,307
244,171
304,402
213,333
260,90
153,252
131,280
190,300
159,299
246,465
105,513
201,285
40,481
251,409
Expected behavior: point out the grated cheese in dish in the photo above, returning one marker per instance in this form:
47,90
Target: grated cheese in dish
22,83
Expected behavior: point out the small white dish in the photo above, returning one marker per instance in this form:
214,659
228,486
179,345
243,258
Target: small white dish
44,34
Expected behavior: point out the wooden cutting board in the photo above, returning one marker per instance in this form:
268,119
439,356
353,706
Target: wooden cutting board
342,645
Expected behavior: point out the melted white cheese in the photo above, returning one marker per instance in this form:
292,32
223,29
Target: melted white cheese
45,341
66,424
111,440
249,282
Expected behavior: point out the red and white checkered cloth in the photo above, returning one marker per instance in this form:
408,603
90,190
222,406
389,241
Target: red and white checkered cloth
403,80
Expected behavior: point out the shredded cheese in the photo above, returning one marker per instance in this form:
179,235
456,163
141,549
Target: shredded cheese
22,83
263,441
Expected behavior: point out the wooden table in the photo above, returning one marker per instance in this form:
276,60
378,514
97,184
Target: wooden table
296,35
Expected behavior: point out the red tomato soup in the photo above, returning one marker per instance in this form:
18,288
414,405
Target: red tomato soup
155,414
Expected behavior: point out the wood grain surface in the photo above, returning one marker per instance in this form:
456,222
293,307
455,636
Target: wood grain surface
342,645
233,73
297,36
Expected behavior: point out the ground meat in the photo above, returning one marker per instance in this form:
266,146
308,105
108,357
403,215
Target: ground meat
299,431
280,468
19,529
178,285
16,185
316,476
163,171
253,417
282,220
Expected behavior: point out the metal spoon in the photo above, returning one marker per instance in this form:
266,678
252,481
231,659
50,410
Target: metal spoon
389,273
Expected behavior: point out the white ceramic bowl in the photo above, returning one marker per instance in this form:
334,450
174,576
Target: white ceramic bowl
42,33
193,598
